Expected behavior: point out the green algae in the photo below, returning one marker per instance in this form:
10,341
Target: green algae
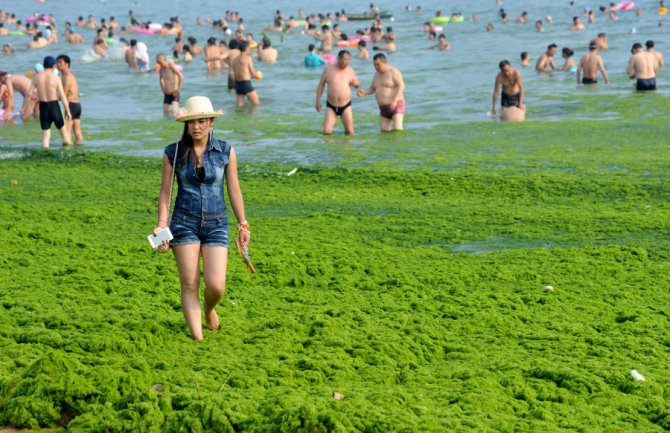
361,290
405,272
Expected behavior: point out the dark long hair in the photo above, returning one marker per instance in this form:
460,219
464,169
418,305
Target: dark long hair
185,145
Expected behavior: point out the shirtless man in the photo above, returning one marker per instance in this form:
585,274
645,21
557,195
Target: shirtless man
513,93
339,77
658,56
38,41
266,53
546,60
590,64
233,53
441,44
22,84
389,88
73,38
576,24
99,48
243,72
326,39
601,40
171,81
363,52
71,89
129,54
212,55
643,66
49,91
390,38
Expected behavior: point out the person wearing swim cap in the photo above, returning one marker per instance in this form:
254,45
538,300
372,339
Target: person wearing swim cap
49,91
388,87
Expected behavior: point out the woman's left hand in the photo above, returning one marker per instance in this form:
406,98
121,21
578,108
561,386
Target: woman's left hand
245,236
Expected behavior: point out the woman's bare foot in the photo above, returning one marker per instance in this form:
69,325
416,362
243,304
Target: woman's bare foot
212,319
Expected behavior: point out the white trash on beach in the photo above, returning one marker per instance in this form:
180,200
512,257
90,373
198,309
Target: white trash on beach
636,375
292,172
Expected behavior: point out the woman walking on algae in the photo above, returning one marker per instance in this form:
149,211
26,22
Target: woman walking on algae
199,224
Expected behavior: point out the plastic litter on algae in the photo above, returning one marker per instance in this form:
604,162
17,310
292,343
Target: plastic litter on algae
386,299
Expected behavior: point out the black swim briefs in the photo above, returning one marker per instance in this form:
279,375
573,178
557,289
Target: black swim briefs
507,100
75,110
170,98
50,113
338,110
645,84
589,81
243,87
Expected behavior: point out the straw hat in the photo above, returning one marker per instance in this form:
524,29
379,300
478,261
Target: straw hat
197,107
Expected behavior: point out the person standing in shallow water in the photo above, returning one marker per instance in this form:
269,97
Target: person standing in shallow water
199,224
339,78
71,88
513,94
389,89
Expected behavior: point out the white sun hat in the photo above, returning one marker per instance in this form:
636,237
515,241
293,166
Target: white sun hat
197,107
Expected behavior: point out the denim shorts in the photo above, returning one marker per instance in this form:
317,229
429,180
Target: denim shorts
191,230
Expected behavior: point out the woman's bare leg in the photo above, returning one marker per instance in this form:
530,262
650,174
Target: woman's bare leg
188,260
214,263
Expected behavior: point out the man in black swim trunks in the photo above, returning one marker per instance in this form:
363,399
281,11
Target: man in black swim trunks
71,88
171,81
339,77
512,88
590,64
243,73
643,66
49,91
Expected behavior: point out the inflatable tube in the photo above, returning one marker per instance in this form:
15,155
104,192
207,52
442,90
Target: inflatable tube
440,20
155,27
369,15
625,6
330,58
179,67
144,31
300,22
9,117
438,28
457,19
353,43
17,33
662,11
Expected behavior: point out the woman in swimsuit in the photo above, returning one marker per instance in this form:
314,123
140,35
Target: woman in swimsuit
570,65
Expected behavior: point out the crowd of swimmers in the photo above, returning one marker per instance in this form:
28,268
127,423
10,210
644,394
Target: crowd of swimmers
237,48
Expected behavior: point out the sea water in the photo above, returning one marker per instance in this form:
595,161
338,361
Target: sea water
441,87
